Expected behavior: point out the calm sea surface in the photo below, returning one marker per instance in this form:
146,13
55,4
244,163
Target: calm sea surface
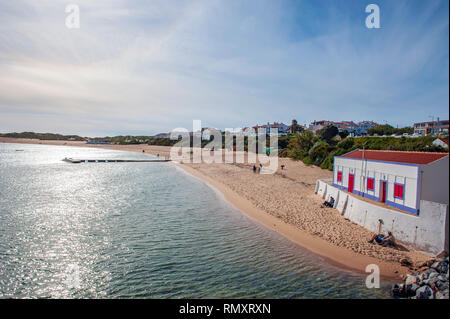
141,230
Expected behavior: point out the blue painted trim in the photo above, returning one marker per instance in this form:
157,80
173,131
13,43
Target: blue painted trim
372,197
388,203
341,187
403,207
403,194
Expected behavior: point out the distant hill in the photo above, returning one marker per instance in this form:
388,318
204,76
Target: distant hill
44,136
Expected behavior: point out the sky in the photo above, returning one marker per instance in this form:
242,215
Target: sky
145,67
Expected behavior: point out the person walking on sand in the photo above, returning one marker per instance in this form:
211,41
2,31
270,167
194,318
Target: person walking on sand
260,168
254,169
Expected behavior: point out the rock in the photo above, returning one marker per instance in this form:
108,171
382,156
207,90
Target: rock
435,265
422,276
433,275
441,285
431,282
410,279
443,267
445,293
424,292
398,290
430,271
410,290
439,295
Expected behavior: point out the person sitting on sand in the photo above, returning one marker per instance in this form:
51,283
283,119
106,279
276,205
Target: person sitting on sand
389,240
329,203
383,240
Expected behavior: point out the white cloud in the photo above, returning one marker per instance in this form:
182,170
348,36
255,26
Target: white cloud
151,66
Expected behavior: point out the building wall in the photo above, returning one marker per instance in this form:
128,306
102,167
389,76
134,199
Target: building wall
427,232
435,181
392,173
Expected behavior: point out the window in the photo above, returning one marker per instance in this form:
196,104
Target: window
370,184
399,190
339,176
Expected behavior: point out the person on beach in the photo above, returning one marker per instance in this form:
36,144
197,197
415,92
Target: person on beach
329,203
383,240
254,169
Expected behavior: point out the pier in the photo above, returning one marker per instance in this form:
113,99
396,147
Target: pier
78,161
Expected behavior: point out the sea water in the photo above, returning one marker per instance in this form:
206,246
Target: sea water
142,230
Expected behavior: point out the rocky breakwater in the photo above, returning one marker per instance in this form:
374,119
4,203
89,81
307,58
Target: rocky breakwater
431,282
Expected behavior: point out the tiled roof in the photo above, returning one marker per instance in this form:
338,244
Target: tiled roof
397,156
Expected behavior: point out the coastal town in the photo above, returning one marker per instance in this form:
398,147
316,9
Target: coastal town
225,153
366,191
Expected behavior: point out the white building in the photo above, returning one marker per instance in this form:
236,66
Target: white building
398,179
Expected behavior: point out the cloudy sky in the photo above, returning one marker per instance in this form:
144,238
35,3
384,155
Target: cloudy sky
144,67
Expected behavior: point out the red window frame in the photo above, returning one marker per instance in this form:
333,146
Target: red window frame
339,176
399,191
370,184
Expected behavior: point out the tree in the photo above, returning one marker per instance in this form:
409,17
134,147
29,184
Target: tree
300,144
344,134
381,130
295,128
327,133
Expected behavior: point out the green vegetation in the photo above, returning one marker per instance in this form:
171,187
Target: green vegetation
43,136
320,150
388,130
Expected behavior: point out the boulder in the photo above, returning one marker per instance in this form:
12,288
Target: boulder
398,290
431,282
435,265
410,279
443,267
433,275
439,295
424,292
441,285
410,290
422,276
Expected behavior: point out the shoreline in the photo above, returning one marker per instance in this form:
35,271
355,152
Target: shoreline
335,256
338,256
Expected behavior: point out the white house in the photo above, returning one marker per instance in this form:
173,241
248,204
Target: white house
398,179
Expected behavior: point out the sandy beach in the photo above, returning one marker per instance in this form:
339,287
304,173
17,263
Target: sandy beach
286,203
